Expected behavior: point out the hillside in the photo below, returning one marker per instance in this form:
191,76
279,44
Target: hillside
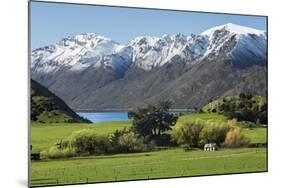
48,108
242,107
89,71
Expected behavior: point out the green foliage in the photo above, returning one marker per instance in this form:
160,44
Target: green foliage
243,107
55,153
87,141
129,142
213,133
164,139
153,120
188,133
197,133
126,141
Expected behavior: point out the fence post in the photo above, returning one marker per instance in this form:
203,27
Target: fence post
57,181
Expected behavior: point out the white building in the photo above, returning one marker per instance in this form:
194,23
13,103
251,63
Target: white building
211,147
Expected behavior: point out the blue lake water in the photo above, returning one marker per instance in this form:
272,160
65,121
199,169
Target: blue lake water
96,117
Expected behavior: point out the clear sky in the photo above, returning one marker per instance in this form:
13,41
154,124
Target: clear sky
50,22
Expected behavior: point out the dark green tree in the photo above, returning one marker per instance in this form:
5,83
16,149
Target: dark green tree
153,120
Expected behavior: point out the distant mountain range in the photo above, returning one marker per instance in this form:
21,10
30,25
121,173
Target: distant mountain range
89,71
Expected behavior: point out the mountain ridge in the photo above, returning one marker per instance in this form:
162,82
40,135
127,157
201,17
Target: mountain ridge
106,74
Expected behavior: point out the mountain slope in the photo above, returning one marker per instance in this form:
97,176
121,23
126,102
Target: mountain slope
92,72
48,108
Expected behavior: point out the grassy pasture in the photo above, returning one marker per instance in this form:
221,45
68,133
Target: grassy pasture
210,117
43,136
257,135
159,164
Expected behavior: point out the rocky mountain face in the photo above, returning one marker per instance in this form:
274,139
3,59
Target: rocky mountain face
89,71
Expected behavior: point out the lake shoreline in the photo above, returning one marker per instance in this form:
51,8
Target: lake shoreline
127,110
96,117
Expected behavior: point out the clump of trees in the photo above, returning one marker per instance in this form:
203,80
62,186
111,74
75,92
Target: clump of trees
198,133
153,121
244,107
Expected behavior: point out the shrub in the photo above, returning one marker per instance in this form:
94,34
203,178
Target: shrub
163,140
129,142
234,138
55,153
188,133
232,123
88,141
213,133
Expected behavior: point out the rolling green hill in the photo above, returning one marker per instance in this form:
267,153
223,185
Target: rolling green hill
46,107
243,107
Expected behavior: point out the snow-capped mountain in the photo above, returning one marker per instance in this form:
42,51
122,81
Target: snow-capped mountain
77,53
91,70
247,40
146,52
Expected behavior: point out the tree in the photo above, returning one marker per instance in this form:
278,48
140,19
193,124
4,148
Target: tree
213,133
234,138
188,133
153,119
88,141
129,142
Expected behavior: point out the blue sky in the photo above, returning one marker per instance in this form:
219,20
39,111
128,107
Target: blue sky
52,21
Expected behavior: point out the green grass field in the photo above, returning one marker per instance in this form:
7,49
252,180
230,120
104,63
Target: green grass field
210,117
257,135
158,164
43,136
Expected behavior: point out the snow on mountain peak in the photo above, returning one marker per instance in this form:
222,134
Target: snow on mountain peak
76,53
247,40
233,28
146,52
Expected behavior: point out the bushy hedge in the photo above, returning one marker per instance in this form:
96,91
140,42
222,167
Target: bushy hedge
88,142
